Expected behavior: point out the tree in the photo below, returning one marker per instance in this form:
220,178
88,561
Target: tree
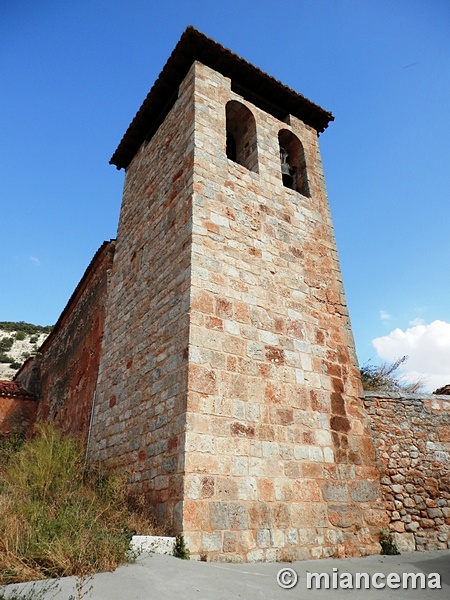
383,378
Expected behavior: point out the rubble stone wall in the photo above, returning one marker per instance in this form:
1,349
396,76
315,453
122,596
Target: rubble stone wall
412,441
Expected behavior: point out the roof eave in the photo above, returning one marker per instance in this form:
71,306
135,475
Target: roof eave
193,46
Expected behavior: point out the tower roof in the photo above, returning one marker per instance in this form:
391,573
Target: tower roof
248,81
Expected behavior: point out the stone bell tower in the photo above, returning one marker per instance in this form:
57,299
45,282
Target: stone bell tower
228,384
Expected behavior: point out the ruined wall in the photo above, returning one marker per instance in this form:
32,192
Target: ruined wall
140,409
412,441
67,368
279,460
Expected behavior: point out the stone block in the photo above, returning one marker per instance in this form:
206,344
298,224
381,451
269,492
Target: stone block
237,516
153,544
212,542
219,515
364,491
328,455
339,424
405,542
263,538
307,490
247,488
342,515
202,380
335,491
315,454
427,523
292,537
278,538
193,487
230,541
226,488
398,526
206,487
301,452
255,556
239,466
376,517
305,515
242,430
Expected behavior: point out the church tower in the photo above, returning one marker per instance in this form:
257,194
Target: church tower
228,384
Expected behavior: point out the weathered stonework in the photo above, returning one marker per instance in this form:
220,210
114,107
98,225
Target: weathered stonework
208,351
228,385
140,411
412,441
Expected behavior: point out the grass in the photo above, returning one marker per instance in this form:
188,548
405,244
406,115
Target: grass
57,517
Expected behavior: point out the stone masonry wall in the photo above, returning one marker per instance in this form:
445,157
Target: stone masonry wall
412,441
65,372
139,420
279,459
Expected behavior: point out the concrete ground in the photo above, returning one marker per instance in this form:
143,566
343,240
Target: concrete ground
164,577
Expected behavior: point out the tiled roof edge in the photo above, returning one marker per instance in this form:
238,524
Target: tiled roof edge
194,45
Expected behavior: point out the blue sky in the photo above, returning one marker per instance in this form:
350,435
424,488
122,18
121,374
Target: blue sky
73,74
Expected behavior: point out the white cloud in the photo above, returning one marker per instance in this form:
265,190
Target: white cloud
427,347
385,316
35,260
417,321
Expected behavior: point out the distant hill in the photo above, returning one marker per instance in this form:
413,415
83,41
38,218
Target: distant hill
19,341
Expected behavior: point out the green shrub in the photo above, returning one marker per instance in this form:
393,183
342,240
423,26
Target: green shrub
4,358
20,335
58,518
15,365
6,344
22,326
388,546
180,549
34,339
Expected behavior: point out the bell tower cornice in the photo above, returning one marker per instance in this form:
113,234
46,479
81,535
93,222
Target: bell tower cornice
251,83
